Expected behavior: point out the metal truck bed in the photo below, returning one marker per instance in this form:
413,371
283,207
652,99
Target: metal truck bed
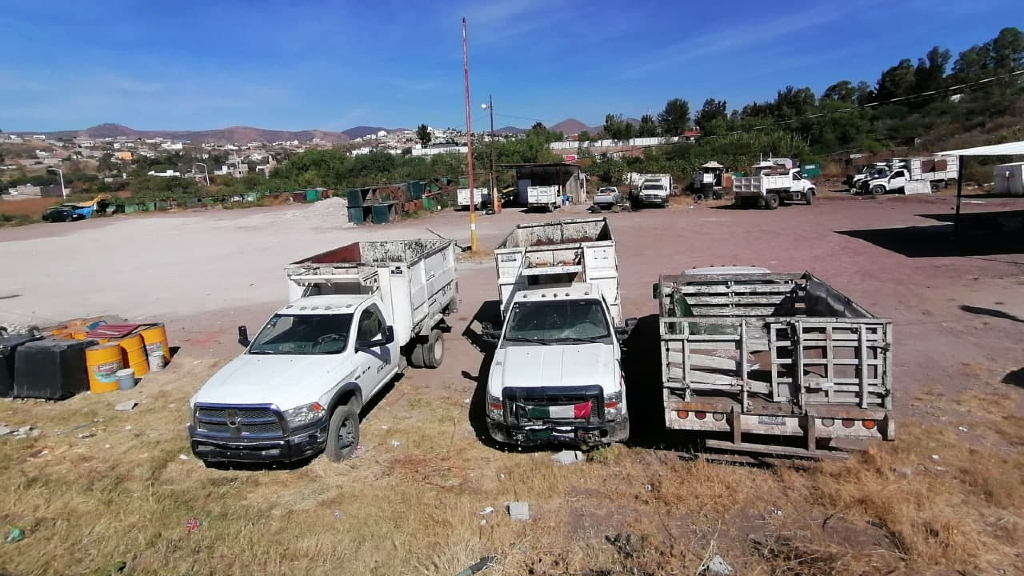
778,354
416,279
559,252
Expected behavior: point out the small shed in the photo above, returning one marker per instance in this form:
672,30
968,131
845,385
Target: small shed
1008,179
567,177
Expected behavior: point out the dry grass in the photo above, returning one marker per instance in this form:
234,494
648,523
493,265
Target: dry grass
124,495
29,207
478,255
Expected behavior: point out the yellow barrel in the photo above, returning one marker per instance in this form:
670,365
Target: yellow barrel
80,334
156,342
103,362
134,354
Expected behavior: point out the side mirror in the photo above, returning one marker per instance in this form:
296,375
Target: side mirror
243,336
623,332
489,333
389,337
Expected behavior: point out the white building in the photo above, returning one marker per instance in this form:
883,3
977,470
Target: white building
165,174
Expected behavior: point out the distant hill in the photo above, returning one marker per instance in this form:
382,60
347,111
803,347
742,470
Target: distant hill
360,131
570,126
236,134
510,130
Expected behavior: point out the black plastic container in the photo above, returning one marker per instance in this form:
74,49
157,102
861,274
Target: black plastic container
8,348
51,369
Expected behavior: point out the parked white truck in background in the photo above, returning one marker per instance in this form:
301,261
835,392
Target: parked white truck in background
556,376
749,352
547,198
771,185
354,314
481,198
932,173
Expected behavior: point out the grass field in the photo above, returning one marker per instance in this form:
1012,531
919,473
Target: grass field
124,494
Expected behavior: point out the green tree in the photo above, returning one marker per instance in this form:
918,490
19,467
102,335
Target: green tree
1007,50
647,128
712,110
616,128
930,72
106,163
896,82
423,134
674,119
583,136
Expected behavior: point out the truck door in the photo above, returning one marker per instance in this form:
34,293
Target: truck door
798,183
374,365
898,179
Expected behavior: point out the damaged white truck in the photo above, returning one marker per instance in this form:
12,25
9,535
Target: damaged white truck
357,316
760,357
556,376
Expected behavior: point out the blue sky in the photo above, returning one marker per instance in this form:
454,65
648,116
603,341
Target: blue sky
302,64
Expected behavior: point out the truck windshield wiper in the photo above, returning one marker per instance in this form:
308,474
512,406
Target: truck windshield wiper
261,352
530,340
578,339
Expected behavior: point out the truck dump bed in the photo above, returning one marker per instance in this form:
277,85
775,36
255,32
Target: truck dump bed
559,252
416,278
779,354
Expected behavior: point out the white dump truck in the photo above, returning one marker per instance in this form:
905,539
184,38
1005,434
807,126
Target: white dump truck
357,316
480,198
913,176
547,198
771,185
755,355
556,376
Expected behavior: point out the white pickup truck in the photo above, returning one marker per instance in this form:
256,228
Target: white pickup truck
557,373
769,187
912,176
355,313
654,190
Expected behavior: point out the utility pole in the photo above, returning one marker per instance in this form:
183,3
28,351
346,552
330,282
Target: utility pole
495,195
206,172
63,191
469,142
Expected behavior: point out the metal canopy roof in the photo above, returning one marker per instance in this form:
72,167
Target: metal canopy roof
1008,149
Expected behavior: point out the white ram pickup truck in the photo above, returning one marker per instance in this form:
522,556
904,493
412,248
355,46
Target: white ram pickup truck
356,313
557,374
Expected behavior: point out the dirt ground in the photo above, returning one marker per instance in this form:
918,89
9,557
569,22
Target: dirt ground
958,309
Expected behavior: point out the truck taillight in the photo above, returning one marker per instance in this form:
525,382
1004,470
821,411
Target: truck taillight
683,414
700,415
868,424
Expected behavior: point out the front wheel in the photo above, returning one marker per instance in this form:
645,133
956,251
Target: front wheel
343,432
878,190
772,201
809,197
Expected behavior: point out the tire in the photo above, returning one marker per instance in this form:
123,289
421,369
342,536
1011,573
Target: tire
935,187
433,349
698,197
772,201
809,197
416,356
878,190
343,432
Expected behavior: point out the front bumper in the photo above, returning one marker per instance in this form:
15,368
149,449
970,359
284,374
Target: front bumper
654,200
539,434
295,446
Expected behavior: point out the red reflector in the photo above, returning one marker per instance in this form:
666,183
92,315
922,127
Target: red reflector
317,407
495,405
700,415
611,404
848,423
683,414
868,424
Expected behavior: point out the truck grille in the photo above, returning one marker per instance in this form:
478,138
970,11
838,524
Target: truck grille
239,422
518,401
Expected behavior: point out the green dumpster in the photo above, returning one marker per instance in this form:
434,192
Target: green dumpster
811,170
355,215
312,196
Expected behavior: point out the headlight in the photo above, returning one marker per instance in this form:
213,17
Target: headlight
304,415
614,407
495,409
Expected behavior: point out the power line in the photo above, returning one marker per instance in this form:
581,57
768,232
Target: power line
928,94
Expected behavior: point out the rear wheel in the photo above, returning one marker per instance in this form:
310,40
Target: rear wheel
772,201
433,349
343,432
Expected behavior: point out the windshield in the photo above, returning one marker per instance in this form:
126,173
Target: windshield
653,187
557,321
303,334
